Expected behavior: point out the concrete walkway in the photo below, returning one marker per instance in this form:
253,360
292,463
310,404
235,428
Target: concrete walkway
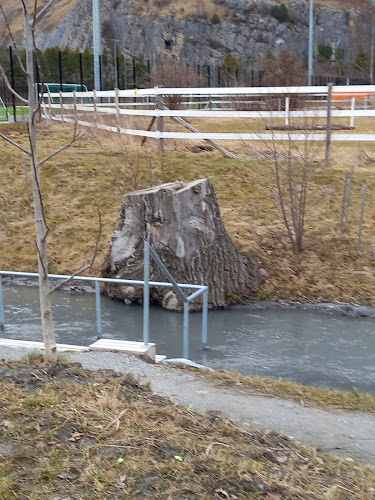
346,434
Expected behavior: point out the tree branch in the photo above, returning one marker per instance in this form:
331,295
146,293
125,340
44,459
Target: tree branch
74,138
88,265
13,40
10,88
14,143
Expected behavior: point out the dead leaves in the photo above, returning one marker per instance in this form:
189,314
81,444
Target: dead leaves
75,437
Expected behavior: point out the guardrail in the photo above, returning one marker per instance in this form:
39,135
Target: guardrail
148,252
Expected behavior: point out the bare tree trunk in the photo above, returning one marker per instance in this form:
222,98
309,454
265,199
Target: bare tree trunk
183,224
41,226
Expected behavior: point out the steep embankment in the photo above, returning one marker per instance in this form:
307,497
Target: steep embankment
100,169
200,32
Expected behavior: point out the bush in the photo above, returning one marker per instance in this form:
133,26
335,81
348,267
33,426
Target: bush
325,51
280,12
215,19
362,61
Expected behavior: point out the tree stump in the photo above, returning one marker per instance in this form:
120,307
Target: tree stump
182,222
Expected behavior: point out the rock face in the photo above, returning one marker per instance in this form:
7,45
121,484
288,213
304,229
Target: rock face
182,223
245,28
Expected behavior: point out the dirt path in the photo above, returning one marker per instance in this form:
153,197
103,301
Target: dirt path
346,434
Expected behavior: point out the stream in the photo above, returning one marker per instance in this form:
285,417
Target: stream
302,345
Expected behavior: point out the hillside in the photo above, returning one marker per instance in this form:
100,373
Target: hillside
201,32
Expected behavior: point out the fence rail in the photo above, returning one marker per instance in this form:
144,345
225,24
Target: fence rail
314,101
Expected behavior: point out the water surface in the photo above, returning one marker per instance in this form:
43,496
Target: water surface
310,347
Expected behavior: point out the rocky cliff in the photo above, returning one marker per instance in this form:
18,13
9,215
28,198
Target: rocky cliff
203,32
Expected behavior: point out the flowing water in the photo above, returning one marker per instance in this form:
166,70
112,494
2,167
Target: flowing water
306,346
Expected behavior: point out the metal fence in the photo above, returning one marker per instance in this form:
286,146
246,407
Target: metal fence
148,253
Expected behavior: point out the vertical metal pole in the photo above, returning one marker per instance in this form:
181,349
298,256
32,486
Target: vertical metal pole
115,64
311,43
101,72
81,70
186,330
125,82
2,320
204,319
118,73
134,74
328,140
97,35
146,293
208,76
98,310
60,71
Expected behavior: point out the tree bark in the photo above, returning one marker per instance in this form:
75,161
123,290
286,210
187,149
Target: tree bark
182,222
41,227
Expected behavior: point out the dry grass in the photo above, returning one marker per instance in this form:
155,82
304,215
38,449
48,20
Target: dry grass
99,168
67,433
302,394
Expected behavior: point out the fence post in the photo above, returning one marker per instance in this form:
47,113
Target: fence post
204,319
95,108
287,105
160,125
98,310
118,123
49,104
186,330
352,115
146,293
328,139
61,108
2,320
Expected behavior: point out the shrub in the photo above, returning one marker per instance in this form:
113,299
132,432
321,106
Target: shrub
325,51
215,19
280,12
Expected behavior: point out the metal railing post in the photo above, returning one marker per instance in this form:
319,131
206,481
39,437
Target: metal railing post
146,293
2,320
204,319
186,330
98,310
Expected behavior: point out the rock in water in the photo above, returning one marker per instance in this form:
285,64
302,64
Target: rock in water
182,222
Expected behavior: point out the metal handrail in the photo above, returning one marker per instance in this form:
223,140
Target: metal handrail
199,289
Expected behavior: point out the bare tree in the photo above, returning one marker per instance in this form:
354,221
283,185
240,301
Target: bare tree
41,225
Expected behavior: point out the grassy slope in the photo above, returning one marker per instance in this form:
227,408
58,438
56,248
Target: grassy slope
67,433
102,170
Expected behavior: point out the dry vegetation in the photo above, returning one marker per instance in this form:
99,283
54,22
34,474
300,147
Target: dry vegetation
302,394
68,433
100,168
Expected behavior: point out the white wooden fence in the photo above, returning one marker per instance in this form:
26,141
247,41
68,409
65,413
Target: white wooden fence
347,101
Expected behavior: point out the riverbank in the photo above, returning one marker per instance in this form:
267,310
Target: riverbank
101,169
104,433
